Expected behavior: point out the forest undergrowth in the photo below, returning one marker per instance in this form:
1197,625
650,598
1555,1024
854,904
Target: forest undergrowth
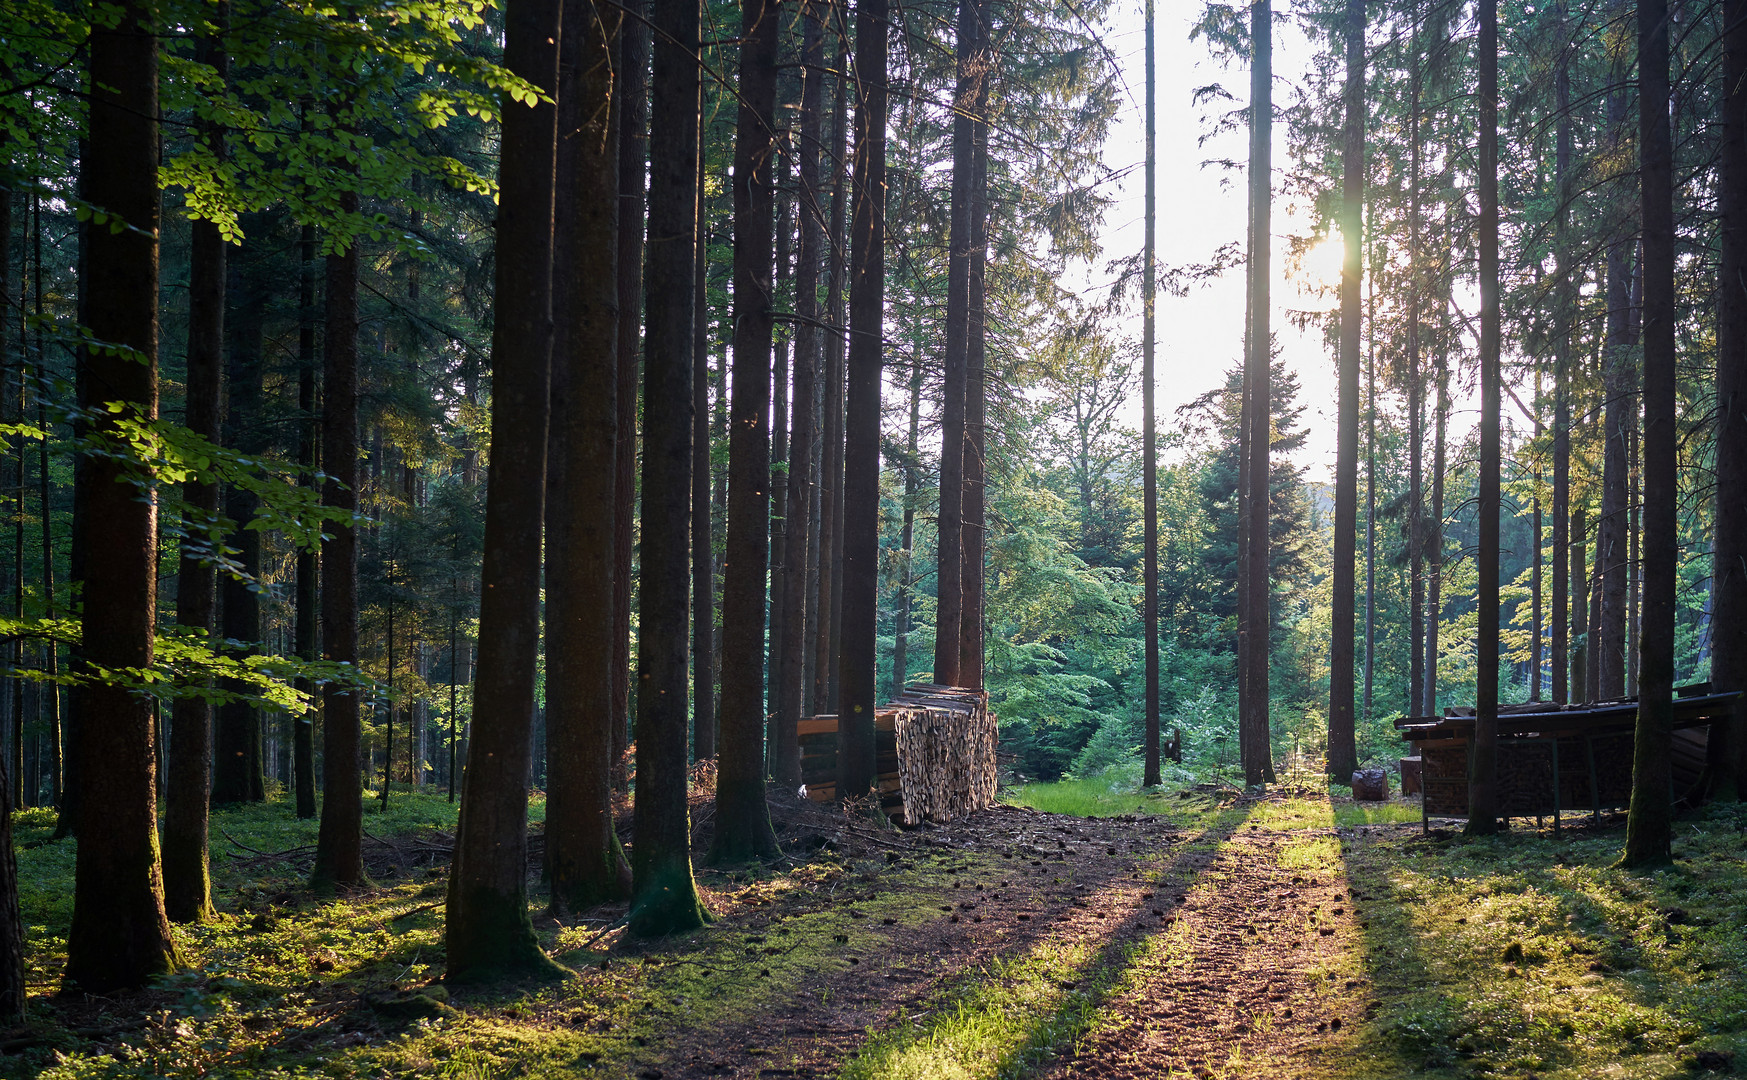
1184,933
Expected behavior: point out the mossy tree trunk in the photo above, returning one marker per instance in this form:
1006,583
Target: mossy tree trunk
120,936
585,865
487,929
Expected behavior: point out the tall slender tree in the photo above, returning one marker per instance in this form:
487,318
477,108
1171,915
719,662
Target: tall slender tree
1728,744
1149,446
1649,822
857,671
1253,719
1483,757
704,639
120,936
584,862
742,816
949,545
12,955
339,846
633,69
1343,755
976,466
664,893
487,929
188,789
802,545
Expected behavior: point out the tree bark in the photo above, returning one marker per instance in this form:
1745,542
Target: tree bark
488,931
830,623
664,897
1728,743
120,937
743,828
1343,756
1435,527
339,852
584,863
1253,719
704,641
1579,604
187,883
975,536
1649,822
308,578
1483,757
1149,602
802,542
633,68
949,547
1416,593
861,427
1607,658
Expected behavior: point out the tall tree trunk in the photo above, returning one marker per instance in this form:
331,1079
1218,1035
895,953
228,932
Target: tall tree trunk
665,897
187,883
1728,743
1649,821
1343,755
779,452
51,653
830,623
12,984
1579,604
339,852
1536,582
802,542
907,534
487,926
1416,592
976,464
1149,423
120,937
1435,525
633,69
949,547
1253,720
1607,658
1483,757
742,816
236,774
703,500
584,862
308,581
857,673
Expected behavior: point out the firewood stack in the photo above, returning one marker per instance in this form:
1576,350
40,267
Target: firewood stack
946,752
934,754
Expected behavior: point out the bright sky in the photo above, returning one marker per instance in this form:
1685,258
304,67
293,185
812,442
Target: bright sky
1201,208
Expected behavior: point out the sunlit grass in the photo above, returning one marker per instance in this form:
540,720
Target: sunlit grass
1100,796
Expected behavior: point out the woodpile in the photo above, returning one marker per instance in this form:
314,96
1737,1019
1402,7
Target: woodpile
934,754
1555,759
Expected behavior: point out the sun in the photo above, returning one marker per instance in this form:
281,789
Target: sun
1319,270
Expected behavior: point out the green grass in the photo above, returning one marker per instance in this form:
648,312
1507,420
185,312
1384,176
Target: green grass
1099,796
1525,954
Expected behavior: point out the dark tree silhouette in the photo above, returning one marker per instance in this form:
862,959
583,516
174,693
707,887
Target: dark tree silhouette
858,672
188,784
742,817
1728,753
1253,721
1649,822
120,937
487,929
1483,758
665,897
584,862
1342,752
339,850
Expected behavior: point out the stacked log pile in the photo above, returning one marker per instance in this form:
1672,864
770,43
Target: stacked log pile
1555,759
934,750
946,752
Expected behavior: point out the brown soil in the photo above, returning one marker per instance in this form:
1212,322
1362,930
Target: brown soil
1245,968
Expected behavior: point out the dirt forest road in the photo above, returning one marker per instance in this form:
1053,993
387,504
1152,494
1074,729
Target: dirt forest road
1018,943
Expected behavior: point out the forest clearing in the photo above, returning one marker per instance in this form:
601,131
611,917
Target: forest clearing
1195,934
840,538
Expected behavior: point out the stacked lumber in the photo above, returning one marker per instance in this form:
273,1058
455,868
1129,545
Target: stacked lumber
1556,758
934,754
